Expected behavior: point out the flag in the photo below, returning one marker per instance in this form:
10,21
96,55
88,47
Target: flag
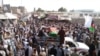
92,28
53,32
88,21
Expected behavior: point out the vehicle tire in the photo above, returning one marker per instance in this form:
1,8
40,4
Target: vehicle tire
82,54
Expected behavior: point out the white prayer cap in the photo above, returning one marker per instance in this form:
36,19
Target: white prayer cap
42,49
52,55
6,46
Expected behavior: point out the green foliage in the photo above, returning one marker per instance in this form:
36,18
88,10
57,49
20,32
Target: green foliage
40,10
62,9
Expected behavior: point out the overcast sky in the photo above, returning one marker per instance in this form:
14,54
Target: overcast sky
55,4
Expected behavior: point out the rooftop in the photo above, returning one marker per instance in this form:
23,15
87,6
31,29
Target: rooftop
82,10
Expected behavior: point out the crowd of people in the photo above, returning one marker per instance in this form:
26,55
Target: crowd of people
30,38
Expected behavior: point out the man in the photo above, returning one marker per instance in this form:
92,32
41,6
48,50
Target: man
0,34
41,34
74,53
98,52
43,52
61,34
53,51
92,49
2,49
30,50
60,51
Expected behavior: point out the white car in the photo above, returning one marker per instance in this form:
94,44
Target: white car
79,46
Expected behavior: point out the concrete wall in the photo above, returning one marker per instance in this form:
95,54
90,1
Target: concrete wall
96,21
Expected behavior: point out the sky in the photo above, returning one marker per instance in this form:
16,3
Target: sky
56,4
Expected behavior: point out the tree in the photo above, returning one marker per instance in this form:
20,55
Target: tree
62,9
40,10
43,18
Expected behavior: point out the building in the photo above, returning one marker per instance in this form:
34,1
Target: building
18,11
53,14
22,9
14,10
79,14
76,16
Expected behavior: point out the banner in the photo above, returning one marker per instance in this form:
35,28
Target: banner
88,21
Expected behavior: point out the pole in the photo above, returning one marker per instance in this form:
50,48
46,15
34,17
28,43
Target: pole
1,34
2,5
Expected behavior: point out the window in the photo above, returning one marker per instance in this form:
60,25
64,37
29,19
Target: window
70,44
90,15
81,15
99,15
86,14
69,14
95,15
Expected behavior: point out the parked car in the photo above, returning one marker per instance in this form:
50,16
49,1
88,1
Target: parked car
79,46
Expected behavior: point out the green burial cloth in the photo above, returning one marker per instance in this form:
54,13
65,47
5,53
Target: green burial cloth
53,34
